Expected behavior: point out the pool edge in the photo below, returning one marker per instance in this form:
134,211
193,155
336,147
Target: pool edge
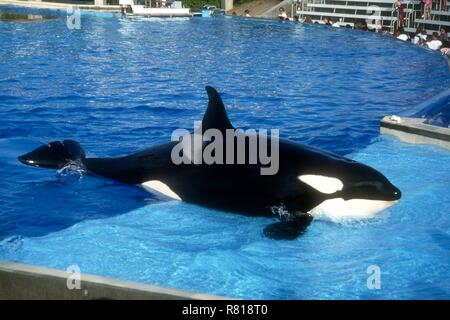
23,281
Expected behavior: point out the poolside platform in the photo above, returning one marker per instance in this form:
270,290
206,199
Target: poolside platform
57,5
415,130
377,13
21,281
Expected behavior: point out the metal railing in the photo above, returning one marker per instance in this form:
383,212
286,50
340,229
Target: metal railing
386,18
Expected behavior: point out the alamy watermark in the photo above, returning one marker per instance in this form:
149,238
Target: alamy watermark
74,278
73,20
233,146
374,19
374,279
73,281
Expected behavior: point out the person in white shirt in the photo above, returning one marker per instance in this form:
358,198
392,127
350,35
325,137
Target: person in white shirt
435,43
282,15
247,13
420,37
334,24
401,35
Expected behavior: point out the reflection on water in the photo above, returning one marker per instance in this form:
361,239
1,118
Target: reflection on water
9,16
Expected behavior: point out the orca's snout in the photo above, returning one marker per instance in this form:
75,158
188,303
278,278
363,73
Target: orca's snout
396,193
25,159
384,191
388,192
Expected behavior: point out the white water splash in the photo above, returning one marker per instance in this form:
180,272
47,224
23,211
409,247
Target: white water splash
11,244
72,168
282,213
352,222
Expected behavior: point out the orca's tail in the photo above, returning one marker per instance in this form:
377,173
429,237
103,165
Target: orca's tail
54,155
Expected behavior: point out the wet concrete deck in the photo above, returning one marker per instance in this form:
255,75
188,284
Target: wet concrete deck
21,281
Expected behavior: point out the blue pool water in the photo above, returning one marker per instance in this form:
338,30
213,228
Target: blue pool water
436,111
119,85
184,246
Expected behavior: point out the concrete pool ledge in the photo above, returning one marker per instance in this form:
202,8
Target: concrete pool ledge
60,5
22,281
415,130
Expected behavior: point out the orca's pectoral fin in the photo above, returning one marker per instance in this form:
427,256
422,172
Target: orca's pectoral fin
289,229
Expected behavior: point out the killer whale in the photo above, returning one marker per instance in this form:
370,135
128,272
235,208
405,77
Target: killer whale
308,182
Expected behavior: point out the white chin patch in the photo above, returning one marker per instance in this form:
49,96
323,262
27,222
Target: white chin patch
160,187
322,184
339,209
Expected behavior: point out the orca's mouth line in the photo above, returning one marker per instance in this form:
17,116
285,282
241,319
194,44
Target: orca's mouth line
338,208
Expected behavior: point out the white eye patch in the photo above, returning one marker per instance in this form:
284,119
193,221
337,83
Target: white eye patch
323,184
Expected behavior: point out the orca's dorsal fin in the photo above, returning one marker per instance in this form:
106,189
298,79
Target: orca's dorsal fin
215,116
